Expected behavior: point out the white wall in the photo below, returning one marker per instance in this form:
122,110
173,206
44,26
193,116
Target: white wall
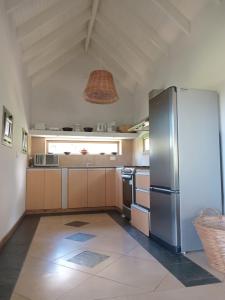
58,101
13,94
195,61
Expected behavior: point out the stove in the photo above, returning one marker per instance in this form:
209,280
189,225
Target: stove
128,177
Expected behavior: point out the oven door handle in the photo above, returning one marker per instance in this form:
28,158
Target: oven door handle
126,177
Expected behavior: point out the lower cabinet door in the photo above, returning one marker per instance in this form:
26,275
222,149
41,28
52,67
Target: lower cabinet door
140,218
143,198
110,177
53,189
96,188
77,188
35,189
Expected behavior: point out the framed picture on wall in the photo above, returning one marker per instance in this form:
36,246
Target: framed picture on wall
7,128
24,141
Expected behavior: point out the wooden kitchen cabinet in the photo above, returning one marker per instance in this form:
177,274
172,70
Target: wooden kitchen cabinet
96,188
35,189
140,218
77,188
119,189
110,177
44,189
143,198
142,181
53,189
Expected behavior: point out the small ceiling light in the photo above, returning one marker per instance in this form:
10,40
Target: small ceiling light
100,88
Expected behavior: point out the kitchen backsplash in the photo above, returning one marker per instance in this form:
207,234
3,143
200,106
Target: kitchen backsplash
38,145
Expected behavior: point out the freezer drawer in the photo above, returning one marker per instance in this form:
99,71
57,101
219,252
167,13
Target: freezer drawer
164,217
143,198
140,218
142,181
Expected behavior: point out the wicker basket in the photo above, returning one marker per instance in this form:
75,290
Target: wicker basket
210,226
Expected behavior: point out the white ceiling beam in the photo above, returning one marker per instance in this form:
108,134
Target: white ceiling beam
41,61
54,16
138,57
151,35
94,11
124,38
12,5
174,14
107,63
118,59
55,66
70,28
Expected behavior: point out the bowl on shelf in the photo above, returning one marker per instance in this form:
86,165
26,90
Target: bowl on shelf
67,129
83,151
102,153
67,153
88,129
114,153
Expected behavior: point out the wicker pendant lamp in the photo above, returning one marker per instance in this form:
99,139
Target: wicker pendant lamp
100,88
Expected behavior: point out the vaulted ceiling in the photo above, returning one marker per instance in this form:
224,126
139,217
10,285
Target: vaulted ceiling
128,37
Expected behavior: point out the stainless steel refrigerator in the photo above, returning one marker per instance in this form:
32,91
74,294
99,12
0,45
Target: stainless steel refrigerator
185,168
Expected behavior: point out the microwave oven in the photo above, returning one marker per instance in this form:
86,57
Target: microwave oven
46,160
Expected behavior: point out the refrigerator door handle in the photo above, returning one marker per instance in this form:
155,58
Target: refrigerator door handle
163,190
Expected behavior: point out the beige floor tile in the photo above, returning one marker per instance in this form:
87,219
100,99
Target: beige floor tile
120,245
95,270
169,282
51,250
200,258
99,288
207,292
145,274
140,252
18,297
40,280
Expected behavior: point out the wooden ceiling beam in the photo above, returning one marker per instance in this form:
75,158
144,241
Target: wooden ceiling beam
13,5
146,31
70,28
109,64
55,66
41,61
174,14
94,11
54,16
117,58
116,34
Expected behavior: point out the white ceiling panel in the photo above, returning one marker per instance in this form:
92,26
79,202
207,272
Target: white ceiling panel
126,36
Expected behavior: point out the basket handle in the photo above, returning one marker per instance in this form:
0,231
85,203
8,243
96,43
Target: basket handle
209,212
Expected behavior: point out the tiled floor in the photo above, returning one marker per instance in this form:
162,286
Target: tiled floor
104,262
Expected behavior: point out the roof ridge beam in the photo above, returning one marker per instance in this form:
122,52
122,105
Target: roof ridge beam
174,14
94,11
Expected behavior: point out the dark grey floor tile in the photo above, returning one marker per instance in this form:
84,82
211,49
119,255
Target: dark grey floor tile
88,259
13,254
185,270
80,237
77,223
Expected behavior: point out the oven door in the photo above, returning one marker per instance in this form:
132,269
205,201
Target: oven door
127,194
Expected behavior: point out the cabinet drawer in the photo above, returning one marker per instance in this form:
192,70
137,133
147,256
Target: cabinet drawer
143,198
142,181
140,218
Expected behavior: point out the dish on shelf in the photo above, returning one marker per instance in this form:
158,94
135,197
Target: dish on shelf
67,129
88,129
83,151
67,153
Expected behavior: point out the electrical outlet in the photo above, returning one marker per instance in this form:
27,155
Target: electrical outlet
112,158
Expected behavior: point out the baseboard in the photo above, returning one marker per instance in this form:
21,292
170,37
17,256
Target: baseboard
61,211
5,239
